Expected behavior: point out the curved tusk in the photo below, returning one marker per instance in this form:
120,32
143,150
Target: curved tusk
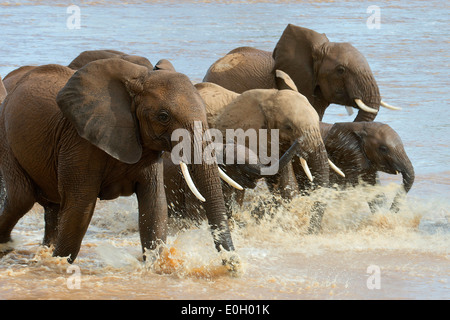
365,108
388,106
335,168
306,168
190,183
228,180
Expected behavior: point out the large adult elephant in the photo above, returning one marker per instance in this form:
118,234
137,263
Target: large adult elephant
68,138
323,71
362,149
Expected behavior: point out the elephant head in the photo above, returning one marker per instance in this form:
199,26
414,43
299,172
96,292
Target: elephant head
129,112
361,149
328,72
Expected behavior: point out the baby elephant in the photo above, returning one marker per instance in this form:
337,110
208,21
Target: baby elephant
361,149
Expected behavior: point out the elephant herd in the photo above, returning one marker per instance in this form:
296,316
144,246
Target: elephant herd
102,127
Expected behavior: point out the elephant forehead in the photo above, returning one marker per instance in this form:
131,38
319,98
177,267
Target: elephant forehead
388,135
346,54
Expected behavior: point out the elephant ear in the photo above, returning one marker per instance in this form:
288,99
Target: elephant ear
296,53
98,101
345,145
284,82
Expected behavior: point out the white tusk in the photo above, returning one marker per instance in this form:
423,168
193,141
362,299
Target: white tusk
228,180
190,183
365,108
335,168
388,106
306,168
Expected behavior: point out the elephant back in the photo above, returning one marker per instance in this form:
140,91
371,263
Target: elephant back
243,69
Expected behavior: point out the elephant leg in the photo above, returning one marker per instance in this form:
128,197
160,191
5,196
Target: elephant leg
315,223
75,216
51,213
380,199
18,200
153,215
79,185
377,202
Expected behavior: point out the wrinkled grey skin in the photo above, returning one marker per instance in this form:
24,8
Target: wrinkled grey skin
324,72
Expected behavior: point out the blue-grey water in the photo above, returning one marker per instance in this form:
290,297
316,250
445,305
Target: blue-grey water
409,55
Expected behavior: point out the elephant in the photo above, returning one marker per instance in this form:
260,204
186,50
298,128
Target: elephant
325,72
68,138
361,150
292,115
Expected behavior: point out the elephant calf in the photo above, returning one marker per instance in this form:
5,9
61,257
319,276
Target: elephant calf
361,149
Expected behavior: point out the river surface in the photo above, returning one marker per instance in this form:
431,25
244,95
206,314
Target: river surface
358,255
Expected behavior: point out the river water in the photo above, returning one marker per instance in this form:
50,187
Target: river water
357,256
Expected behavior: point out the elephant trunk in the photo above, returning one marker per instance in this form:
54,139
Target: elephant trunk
259,170
312,150
407,171
315,155
206,178
368,93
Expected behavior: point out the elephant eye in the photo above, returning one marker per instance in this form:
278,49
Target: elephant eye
287,127
340,70
384,149
163,116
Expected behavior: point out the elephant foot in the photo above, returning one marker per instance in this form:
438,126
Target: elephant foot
233,264
314,228
6,248
315,223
